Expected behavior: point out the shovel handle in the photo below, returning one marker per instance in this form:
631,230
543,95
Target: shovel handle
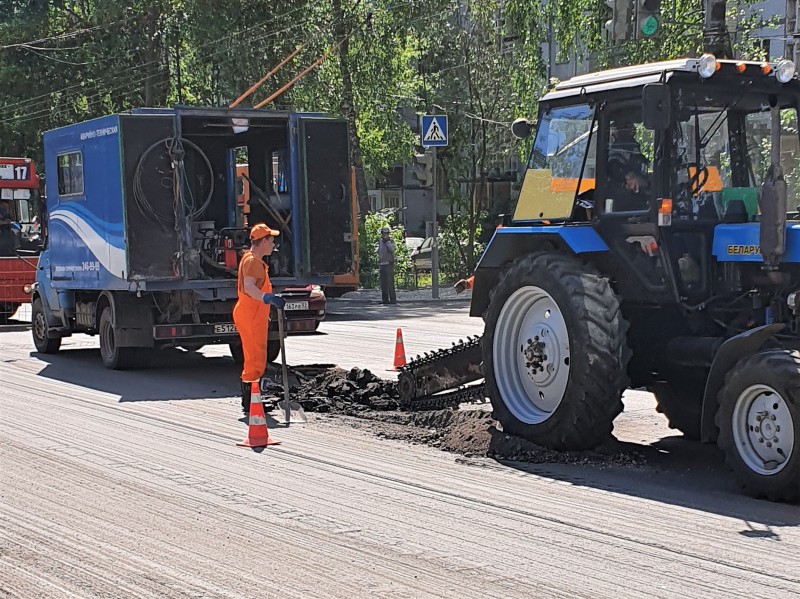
284,374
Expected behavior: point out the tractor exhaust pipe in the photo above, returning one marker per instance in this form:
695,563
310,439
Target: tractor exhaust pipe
773,201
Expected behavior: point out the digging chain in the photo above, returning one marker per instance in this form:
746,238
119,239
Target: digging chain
441,354
451,399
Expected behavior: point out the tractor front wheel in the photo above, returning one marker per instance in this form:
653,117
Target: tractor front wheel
555,353
759,424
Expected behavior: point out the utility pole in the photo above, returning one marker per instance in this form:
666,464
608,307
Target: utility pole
716,39
435,234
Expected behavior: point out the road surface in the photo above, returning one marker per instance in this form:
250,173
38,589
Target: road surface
129,484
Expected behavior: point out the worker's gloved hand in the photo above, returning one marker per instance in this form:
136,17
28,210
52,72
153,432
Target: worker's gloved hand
460,286
274,300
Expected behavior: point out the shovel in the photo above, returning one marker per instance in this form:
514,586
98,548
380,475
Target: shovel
292,410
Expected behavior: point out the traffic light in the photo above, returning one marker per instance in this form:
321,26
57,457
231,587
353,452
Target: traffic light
618,26
648,18
422,169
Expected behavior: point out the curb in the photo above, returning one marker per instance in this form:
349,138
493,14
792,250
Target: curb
376,301
11,328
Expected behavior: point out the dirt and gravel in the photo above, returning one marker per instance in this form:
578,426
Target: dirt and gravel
370,403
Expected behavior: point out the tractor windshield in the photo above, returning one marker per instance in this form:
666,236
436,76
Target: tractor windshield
721,149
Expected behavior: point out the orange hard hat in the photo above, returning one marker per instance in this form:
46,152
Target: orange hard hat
260,230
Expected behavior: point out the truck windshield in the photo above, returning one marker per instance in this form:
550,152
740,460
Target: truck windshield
721,153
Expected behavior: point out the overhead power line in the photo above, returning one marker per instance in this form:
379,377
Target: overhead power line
31,44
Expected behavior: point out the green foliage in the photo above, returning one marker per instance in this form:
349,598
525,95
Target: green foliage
480,62
454,251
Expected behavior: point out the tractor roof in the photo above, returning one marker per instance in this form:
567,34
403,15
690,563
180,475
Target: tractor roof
634,76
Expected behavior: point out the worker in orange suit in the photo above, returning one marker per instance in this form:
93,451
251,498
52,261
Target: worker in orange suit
251,313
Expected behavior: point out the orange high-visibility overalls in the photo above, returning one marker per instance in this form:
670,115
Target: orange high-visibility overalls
252,318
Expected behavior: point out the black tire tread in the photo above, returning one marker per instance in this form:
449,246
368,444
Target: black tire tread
593,397
48,345
781,370
124,358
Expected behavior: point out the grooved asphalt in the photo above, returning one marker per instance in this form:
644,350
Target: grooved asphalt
129,484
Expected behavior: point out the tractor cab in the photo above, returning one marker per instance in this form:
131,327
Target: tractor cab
658,157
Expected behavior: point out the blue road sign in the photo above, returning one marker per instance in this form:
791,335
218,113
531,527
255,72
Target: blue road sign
434,130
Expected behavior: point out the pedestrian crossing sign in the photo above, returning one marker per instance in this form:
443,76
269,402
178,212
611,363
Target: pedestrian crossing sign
434,130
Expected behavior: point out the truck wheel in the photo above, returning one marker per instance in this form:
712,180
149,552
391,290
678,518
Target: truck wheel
113,356
7,311
759,424
682,405
555,353
39,328
273,350
237,353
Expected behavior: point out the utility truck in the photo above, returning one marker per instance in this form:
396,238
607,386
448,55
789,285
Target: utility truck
145,231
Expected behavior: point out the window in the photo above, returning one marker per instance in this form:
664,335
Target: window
70,174
565,140
758,127
391,198
629,156
561,141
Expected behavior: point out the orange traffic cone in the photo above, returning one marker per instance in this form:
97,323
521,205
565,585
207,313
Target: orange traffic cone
399,351
257,433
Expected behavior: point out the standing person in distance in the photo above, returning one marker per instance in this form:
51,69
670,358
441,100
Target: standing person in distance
251,313
386,261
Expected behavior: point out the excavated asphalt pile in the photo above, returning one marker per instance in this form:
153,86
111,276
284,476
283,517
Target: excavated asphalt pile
373,404
334,390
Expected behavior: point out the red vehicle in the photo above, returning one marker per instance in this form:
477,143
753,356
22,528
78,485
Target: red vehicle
19,186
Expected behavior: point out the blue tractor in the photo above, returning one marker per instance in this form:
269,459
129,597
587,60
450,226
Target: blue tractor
655,244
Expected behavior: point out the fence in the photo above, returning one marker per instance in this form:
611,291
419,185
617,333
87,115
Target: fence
408,280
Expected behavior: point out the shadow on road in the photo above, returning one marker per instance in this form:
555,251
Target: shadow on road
678,472
352,310
201,376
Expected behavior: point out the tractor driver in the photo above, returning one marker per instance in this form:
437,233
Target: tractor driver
251,313
629,183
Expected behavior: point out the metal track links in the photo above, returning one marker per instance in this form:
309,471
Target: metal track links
425,382
450,399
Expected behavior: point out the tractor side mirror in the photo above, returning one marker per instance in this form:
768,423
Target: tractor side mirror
521,128
656,106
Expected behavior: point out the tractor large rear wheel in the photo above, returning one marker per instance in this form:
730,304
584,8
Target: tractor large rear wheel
555,353
759,424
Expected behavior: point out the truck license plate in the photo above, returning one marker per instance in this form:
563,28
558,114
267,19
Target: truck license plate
296,306
224,328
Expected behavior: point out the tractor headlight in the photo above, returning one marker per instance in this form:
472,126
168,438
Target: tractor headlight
784,71
707,65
